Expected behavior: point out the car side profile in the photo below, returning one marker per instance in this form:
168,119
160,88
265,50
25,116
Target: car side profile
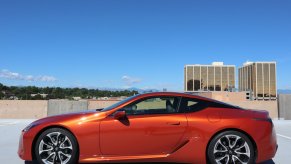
153,127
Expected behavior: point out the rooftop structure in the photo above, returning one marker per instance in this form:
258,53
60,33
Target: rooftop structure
215,77
258,78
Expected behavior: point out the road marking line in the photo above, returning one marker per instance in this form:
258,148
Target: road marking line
8,123
284,136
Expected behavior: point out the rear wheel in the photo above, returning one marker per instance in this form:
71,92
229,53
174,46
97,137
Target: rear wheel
231,147
56,146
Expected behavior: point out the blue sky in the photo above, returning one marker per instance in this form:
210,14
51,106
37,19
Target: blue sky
138,43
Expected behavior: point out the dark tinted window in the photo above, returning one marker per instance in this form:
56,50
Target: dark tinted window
218,104
153,105
192,105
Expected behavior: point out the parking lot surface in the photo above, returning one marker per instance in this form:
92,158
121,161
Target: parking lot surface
11,128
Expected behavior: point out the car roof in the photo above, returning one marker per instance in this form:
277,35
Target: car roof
175,94
188,95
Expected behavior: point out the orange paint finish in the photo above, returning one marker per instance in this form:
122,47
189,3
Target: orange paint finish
143,133
176,137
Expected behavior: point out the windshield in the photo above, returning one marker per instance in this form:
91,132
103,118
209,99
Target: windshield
119,103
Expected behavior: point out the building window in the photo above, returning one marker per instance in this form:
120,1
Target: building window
190,78
196,78
211,78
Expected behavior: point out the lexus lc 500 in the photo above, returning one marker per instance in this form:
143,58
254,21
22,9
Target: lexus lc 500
153,127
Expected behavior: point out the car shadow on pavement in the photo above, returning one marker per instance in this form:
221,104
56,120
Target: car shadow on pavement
266,162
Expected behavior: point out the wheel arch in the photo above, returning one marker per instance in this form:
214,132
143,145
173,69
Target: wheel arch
233,129
46,128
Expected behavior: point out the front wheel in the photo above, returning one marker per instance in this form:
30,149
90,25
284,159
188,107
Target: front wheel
56,146
231,147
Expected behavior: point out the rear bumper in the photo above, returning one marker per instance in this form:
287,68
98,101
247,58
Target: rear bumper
267,145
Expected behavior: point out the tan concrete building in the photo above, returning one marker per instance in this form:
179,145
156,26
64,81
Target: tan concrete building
259,79
215,77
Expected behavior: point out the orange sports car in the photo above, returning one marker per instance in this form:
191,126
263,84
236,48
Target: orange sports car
153,127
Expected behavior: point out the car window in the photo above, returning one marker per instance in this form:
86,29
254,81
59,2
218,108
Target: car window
153,105
119,103
192,105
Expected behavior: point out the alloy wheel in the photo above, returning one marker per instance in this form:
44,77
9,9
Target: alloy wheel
231,149
55,148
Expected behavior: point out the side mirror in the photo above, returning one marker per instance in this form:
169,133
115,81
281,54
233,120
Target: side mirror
119,115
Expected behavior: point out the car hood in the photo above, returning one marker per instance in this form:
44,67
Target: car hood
62,118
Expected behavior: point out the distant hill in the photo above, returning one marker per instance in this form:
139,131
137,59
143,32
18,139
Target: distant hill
284,91
129,89
142,90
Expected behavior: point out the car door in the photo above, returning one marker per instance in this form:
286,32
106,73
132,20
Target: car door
153,126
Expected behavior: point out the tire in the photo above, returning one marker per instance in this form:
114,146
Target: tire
56,146
231,147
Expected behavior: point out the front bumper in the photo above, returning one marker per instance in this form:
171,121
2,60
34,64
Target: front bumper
20,146
25,145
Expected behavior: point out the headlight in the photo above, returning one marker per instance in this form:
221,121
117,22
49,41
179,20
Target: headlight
29,127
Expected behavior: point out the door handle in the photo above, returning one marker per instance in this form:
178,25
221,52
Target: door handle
173,123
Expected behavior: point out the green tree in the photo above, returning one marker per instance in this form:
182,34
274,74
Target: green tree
24,93
1,86
37,97
1,95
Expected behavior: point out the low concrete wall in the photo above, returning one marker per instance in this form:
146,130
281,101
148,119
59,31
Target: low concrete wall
34,109
239,99
284,106
224,95
97,104
23,109
270,106
65,106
